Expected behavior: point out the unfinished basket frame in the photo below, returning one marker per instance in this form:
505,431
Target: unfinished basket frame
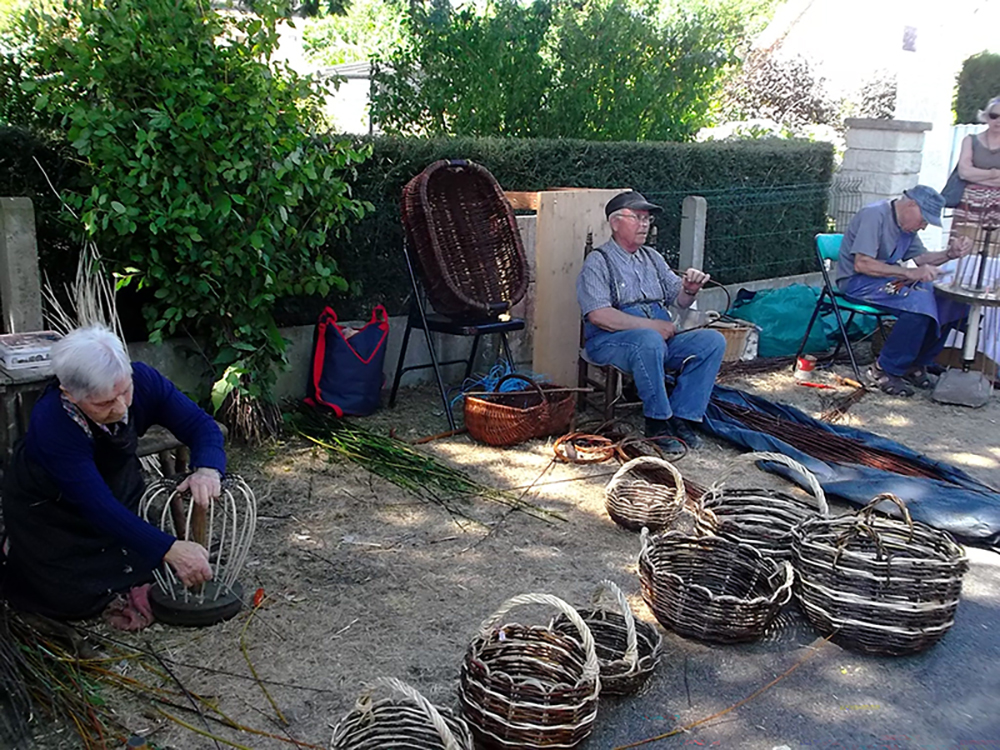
764,518
627,650
882,585
712,588
648,492
409,722
530,686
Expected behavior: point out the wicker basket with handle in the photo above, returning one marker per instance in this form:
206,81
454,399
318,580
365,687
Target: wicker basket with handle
511,417
530,686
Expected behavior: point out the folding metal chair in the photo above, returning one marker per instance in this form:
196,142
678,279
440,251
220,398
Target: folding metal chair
831,299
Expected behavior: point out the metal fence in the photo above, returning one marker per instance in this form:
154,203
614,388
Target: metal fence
751,233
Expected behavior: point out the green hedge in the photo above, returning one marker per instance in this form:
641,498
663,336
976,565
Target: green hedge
766,199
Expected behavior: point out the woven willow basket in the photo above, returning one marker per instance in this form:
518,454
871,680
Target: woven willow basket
711,588
510,417
530,686
886,586
649,492
408,722
628,651
764,518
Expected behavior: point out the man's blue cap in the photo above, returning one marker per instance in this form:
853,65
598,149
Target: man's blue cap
931,202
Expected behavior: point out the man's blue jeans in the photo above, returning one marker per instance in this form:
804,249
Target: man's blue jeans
645,355
914,342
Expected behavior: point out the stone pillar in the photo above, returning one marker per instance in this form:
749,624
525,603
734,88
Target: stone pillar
885,154
20,289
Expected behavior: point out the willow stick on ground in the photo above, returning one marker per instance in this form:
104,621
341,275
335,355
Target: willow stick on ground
718,714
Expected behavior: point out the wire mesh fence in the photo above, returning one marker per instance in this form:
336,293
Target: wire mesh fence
756,232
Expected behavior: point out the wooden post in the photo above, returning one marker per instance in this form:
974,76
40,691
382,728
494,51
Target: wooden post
20,289
564,219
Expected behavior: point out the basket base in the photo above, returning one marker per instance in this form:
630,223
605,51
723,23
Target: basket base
212,606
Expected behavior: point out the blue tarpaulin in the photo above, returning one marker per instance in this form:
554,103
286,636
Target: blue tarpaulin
957,503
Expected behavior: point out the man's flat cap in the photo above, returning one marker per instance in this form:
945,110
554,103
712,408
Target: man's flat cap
632,200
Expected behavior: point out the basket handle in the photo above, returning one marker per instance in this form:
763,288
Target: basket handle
515,376
591,668
632,644
398,686
652,462
786,588
865,514
779,458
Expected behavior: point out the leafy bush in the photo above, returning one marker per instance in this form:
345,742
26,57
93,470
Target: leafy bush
783,89
599,70
207,187
978,82
877,96
368,28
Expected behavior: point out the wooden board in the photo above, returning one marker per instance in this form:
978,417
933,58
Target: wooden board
564,219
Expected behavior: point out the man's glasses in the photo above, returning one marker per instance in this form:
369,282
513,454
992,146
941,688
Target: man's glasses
993,115
640,220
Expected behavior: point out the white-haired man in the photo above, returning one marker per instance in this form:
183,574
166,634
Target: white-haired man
72,489
624,290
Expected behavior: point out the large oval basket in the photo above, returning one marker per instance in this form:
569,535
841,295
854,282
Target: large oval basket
764,518
711,588
628,650
648,492
511,417
530,686
407,720
886,586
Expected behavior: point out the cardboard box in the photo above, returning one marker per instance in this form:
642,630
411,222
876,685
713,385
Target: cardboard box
25,351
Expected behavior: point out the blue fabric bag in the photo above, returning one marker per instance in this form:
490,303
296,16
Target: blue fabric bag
346,373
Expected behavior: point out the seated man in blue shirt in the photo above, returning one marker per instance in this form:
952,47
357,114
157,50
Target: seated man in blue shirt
881,237
72,489
624,291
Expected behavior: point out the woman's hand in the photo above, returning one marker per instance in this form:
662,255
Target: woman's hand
190,562
205,485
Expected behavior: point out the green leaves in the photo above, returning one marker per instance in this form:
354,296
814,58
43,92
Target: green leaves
208,185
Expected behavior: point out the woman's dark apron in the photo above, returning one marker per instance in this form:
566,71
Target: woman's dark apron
58,564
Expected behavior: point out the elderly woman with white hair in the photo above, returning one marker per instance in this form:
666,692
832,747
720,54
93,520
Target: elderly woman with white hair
72,489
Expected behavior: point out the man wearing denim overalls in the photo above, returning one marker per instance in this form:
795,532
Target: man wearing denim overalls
624,291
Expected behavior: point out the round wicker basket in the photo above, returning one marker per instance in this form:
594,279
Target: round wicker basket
711,588
886,586
648,492
409,722
628,651
530,686
764,518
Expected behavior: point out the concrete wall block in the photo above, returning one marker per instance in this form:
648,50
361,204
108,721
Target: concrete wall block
885,140
892,162
890,185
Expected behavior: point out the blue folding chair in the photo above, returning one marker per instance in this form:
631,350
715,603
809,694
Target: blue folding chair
831,299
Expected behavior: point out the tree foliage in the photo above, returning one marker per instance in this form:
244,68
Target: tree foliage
978,82
367,28
596,69
208,187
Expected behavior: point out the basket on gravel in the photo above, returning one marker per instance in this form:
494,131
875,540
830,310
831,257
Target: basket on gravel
408,721
511,417
764,518
649,492
462,230
711,588
530,686
628,651
887,586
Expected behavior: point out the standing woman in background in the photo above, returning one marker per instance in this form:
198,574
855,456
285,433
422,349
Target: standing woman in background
979,166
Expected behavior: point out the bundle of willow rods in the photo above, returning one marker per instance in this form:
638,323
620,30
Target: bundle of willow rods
740,368
826,446
399,463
